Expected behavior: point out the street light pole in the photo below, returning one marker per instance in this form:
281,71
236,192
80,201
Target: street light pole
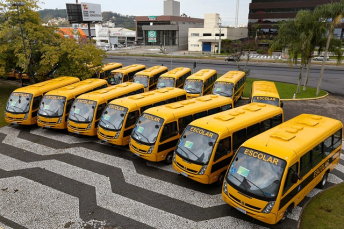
219,37
17,4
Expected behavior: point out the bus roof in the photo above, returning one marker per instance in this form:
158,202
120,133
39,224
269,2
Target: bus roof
48,85
77,88
109,66
152,70
188,107
264,88
149,97
231,76
202,74
237,118
111,92
176,72
129,68
294,137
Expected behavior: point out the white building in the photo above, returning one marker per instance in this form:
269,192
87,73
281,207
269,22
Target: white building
112,37
207,39
171,8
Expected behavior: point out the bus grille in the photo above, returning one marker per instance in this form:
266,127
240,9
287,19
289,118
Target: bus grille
137,149
245,204
187,169
43,122
76,128
15,119
106,136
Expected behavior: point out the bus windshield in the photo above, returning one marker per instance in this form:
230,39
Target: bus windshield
196,145
142,79
193,86
223,88
147,129
52,106
82,110
165,82
116,78
266,99
256,174
113,117
19,102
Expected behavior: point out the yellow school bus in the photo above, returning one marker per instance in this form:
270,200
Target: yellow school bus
55,106
272,172
120,115
232,85
125,74
265,92
88,108
106,70
206,147
22,105
174,78
200,83
156,133
150,76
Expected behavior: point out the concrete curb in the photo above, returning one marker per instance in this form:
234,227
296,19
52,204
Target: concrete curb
305,206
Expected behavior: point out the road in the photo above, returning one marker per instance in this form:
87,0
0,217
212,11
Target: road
333,79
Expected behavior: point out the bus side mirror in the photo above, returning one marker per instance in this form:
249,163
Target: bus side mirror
281,104
294,178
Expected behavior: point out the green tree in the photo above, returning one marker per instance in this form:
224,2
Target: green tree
331,14
44,47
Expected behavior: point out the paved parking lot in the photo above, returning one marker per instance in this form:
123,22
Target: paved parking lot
50,179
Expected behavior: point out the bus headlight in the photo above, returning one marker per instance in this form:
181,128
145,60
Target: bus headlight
225,187
89,126
174,157
269,207
201,172
26,116
117,135
150,149
60,119
5,114
68,122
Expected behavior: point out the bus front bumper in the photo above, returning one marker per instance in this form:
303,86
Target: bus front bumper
204,179
19,119
82,129
141,151
110,139
266,218
51,122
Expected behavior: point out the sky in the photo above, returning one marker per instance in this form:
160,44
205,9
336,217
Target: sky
192,8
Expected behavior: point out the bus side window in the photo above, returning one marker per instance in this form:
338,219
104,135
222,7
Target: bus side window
131,75
132,118
156,77
316,155
125,78
69,105
159,103
226,107
183,122
36,102
200,115
223,148
169,130
305,164
171,100
214,110
181,98
145,108
337,139
266,125
104,86
327,146
288,183
276,120
239,137
102,75
252,130
100,110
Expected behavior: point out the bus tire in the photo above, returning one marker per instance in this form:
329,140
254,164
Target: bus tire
168,159
287,211
323,181
219,181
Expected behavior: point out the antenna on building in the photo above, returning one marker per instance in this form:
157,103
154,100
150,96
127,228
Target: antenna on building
237,14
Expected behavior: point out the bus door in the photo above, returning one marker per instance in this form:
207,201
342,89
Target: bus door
132,117
100,110
152,83
221,160
168,140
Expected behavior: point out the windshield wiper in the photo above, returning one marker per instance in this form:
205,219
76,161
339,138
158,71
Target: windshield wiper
192,89
221,92
237,180
256,186
80,116
183,151
19,108
142,136
108,122
52,112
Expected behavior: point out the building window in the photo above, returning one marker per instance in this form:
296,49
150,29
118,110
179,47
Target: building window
206,34
194,45
195,34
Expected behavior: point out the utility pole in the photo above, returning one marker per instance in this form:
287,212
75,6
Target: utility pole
219,37
237,14
171,52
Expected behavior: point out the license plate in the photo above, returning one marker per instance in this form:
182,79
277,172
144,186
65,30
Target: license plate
76,132
47,126
184,174
241,210
137,154
14,122
104,140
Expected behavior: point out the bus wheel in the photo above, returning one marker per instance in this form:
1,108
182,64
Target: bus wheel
168,159
219,181
287,211
323,181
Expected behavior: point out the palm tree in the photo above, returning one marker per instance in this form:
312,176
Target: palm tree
331,15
